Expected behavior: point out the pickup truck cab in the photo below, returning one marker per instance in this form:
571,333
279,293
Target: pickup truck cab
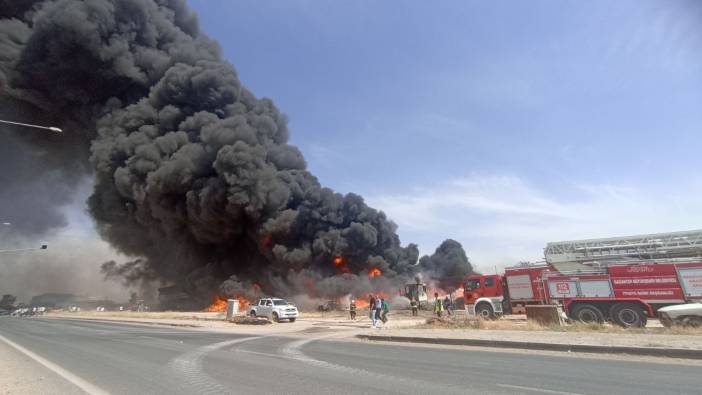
274,309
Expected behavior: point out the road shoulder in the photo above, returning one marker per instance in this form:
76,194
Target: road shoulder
23,375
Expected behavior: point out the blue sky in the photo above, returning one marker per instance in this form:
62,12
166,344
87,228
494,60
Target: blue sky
502,124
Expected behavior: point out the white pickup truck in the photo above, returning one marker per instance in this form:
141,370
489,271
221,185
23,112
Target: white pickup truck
689,314
274,309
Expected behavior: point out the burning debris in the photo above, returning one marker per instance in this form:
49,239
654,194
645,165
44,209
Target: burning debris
193,174
218,305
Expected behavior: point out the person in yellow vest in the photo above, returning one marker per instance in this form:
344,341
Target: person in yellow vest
438,305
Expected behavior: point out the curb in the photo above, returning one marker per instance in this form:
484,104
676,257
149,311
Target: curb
645,351
126,322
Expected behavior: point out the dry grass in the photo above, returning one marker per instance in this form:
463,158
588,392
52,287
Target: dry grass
480,324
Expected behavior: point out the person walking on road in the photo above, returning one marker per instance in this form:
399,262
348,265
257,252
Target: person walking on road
414,306
385,309
448,305
378,309
352,309
371,310
438,305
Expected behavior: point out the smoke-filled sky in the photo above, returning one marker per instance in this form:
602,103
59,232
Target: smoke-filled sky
501,124
193,176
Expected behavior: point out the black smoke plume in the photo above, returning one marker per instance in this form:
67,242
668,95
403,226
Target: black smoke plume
193,174
448,266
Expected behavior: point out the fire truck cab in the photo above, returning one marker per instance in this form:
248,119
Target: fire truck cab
485,295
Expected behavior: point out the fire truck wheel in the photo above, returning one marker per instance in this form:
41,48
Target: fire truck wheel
484,311
628,315
586,313
275,317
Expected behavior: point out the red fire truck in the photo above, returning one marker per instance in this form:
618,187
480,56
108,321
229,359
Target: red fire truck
623,279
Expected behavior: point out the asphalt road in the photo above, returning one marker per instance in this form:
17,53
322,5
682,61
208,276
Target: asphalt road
129,359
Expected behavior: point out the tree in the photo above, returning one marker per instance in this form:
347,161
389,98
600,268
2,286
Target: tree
7,302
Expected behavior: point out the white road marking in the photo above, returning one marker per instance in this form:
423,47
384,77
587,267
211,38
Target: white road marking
534,389
189,365
65,374
293,351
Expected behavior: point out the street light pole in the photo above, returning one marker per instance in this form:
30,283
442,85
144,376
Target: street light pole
44,246
29,125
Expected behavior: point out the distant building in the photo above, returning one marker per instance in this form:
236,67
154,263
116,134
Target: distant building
61,300
53,300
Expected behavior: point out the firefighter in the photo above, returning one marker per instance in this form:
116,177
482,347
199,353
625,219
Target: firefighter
438,305
414,306
352,309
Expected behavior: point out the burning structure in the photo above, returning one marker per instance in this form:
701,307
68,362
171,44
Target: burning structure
193,174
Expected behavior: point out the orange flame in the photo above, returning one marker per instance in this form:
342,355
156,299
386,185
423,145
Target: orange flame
374,272
362,304
243,303
218,305
340,264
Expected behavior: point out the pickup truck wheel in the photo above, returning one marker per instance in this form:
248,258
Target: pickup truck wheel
484,311
292,319
252,314
275,317
586,314
628,315
693,322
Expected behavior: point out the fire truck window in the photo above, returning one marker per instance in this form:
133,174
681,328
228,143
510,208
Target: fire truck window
473,284
489,282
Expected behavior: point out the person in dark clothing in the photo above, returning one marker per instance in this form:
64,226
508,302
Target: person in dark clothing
352,309
414,306
448,305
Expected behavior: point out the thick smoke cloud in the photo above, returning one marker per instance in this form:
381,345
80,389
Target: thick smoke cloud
194,176
448,266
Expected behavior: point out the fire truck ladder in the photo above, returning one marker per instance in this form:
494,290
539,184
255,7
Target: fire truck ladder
674,245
